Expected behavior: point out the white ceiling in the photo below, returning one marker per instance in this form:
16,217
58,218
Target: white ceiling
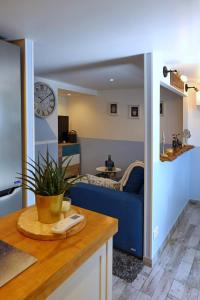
75,34
127,73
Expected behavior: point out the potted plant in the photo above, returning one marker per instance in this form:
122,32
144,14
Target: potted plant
46,179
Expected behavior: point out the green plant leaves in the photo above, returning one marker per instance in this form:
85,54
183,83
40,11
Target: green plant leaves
46,176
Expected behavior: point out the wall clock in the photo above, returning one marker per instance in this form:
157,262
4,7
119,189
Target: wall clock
44,100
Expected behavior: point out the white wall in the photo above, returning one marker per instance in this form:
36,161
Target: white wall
89,115
172,120
29,73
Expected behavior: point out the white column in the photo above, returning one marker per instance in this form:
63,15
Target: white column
29,79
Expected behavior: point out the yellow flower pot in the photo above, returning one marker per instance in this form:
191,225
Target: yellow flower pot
49,208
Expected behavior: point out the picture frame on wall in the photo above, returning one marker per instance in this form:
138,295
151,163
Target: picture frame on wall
162,108
134,111
113,109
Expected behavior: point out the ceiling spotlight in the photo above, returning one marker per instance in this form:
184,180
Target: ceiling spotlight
191,87
184,78
166,71
111,79
69,94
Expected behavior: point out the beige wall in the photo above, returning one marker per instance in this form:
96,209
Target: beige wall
172,121
63,105
89,115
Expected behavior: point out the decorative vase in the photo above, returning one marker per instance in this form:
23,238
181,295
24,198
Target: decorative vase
109,163
49,208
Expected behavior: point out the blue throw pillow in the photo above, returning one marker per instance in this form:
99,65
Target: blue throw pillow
135,181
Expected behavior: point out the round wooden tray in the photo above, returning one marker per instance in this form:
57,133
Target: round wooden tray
29,225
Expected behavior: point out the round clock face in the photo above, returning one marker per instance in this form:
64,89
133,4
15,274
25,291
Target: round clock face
44,100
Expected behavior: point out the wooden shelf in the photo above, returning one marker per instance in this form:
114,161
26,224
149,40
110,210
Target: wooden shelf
173,89
176,154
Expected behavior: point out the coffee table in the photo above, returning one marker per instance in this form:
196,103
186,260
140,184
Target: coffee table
106,173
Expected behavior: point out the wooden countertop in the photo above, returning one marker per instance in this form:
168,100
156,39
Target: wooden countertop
57,260
176,153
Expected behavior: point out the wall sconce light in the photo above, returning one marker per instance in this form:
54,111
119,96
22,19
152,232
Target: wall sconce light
197,93
198,98
184,78
190,87
166,71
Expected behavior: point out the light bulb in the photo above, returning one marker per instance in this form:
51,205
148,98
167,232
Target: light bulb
184,78
198,98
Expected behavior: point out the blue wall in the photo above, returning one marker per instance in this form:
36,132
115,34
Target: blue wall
44,137
172,193
195,175
94,152
42,148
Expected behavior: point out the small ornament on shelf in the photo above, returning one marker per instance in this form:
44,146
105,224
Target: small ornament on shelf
174,142
186,136
179,143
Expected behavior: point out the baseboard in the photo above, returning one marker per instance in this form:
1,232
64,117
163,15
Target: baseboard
147,261
196,202
168,237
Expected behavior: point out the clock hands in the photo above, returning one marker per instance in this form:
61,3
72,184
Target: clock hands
45,97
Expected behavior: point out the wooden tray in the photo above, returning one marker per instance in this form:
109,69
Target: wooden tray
29,225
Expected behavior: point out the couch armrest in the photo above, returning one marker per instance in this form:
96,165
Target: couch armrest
126,207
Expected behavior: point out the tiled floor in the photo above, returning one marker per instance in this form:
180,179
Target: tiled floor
177,273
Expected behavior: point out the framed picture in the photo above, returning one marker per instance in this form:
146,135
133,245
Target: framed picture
162,106
113,109
134,111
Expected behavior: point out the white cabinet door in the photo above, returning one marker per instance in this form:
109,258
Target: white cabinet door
92,281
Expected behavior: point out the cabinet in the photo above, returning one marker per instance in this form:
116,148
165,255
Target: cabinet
69,149
92,281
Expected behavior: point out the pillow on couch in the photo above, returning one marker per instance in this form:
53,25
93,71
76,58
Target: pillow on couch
105,182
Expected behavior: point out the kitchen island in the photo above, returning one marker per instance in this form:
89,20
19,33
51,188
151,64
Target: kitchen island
79,267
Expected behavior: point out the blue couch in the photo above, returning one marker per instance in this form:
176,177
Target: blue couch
126,206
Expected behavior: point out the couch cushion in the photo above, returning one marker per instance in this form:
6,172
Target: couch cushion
141,190
135,180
